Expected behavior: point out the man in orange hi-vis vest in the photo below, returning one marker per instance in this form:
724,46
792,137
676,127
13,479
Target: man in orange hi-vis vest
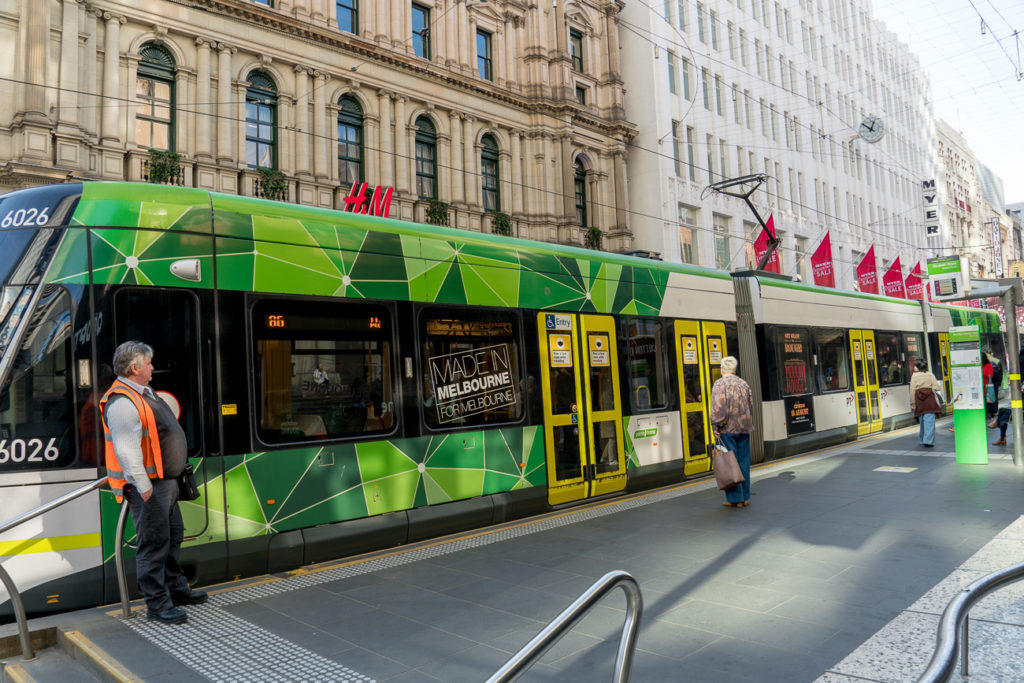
146,450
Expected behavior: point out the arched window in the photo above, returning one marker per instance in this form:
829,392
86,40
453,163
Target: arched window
426,159
261,121
489,173
580,187
154,99
350,141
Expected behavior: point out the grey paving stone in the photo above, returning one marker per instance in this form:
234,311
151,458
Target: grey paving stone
899,651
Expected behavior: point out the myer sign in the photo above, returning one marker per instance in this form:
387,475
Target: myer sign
931,209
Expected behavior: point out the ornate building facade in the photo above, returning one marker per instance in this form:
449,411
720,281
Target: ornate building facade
475,106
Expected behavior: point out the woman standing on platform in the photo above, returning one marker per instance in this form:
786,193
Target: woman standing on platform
731,418
924,393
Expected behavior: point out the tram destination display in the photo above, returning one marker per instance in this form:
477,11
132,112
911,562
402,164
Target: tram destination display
472,382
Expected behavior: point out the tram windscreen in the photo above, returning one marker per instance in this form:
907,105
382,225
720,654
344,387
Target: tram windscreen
23,213
35,399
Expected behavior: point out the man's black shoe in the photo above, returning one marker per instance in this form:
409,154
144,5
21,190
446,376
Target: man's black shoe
171,616
192,598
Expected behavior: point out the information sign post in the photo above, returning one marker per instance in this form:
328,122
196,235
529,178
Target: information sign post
969,422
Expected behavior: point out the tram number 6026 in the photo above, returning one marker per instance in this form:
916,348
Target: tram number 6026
32,450
16,218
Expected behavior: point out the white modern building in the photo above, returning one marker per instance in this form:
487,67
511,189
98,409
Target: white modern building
729,89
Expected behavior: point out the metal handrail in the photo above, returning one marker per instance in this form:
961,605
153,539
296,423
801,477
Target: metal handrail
564,622
12,590
953,624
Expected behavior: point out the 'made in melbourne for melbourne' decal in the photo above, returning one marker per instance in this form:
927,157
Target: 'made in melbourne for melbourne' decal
471,382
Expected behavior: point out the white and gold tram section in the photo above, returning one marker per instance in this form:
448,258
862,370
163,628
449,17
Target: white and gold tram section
949,279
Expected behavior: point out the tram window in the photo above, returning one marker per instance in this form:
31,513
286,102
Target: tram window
832,371
36,425
913,348
324,370
889,358
792,346
471,370
645,362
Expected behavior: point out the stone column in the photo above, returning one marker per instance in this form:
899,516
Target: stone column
111,77
612,31
385,146
621,197
402,159
288,139
505,180
451,32
439,37
226,113
36,50
510,52
184,123
566,167
90,60
518,181
69,65
455,160
465,37
500,75
469,174
320,133
371,141
302,144
381,21
396,26
204,116
548,185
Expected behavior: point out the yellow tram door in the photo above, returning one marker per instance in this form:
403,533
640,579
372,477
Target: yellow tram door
700,347
865,380
947,380
582,409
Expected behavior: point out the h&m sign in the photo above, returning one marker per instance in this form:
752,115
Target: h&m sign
379,204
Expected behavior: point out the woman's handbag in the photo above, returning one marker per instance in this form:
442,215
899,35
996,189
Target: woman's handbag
187,489
990,393
727,470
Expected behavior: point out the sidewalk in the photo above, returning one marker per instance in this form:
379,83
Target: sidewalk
828,564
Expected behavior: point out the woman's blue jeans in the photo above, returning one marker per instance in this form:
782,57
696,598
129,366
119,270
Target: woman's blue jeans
928,429
739,444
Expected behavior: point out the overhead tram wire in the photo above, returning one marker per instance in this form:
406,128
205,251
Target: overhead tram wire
476,175
843,154
639,32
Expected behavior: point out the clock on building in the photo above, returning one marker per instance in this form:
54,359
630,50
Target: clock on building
871,129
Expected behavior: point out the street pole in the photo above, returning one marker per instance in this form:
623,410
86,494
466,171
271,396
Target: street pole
1013,341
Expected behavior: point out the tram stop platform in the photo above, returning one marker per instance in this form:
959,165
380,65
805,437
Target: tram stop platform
836,572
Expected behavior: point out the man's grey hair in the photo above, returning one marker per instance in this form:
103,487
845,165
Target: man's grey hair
128,354
729,364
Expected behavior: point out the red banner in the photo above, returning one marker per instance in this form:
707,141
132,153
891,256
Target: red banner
761,246
867,275
892,280
821,264
914,283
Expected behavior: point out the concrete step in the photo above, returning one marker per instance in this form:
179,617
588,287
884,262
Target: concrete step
62,654
49,665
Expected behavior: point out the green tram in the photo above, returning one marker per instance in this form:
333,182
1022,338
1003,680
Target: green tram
350,383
